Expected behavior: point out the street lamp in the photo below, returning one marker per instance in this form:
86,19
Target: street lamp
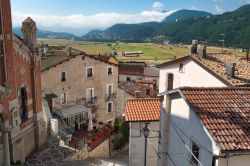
146,134
223,40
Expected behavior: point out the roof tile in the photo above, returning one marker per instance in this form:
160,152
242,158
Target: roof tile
142,109
225,112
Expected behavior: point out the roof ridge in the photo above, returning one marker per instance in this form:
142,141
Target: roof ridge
143,99
214,88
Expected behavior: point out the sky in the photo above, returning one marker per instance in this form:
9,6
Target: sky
80,16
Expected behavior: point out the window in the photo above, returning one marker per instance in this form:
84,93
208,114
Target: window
109,106
24,105
128,79
110,89
63,76
89,72
110,72
63,98
195,150
181,67
148,92
90,98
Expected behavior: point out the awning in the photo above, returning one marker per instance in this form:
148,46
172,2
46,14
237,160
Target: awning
74,110
50,96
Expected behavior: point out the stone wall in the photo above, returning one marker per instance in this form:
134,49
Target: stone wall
100,151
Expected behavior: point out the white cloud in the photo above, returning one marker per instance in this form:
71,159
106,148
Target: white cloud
194,8
77,23
218,9
157,5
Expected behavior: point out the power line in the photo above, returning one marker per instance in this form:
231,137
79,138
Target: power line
183,141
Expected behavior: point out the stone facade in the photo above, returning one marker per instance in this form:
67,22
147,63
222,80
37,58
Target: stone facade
22,127
77,82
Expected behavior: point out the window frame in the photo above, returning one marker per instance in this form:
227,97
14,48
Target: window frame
24,104
110,67
92,72
86,94
65,75
110,102
181,68
196,153
64,94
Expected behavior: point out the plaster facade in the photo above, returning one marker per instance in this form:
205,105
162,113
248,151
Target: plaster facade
192,75
77,82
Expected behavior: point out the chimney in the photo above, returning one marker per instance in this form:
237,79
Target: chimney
164,122
193,48
230,70
137,94
247,55
69,51
201,50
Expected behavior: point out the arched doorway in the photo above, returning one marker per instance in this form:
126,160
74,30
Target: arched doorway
4,134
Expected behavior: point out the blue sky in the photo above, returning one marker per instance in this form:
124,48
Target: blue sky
80,16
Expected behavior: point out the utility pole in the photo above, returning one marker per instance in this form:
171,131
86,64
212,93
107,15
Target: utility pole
223,41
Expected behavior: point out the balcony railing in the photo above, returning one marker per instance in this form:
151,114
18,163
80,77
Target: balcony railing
90,101
110,96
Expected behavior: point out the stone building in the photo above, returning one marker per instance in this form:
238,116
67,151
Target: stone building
22,126
75,78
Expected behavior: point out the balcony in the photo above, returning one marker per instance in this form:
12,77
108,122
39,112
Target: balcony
90,101
110,97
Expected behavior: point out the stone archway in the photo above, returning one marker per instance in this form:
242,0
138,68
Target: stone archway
6,150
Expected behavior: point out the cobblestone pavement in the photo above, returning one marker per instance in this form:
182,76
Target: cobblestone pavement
50,154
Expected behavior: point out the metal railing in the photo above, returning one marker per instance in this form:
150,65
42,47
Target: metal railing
110,96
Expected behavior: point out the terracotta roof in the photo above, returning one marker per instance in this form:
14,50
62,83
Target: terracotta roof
225,112
103,58
153,82
151,71
131,87
142,110
131,69
60,56
215,65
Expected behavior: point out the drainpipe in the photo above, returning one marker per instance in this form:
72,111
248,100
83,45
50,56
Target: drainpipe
3,38
164,123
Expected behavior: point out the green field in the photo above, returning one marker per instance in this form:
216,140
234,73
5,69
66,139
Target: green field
152,53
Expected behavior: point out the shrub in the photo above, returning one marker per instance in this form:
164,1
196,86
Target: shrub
118,141
116,125
125,130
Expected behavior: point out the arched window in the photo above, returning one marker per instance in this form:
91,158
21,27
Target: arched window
24,104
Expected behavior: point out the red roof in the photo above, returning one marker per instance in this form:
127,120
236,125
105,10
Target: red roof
142,110
225,112
131,69
132,87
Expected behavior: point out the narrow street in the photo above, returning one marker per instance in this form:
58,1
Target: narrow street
51,154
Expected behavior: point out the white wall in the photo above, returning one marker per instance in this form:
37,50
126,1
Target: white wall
193,75
190,129
240,160
137,144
